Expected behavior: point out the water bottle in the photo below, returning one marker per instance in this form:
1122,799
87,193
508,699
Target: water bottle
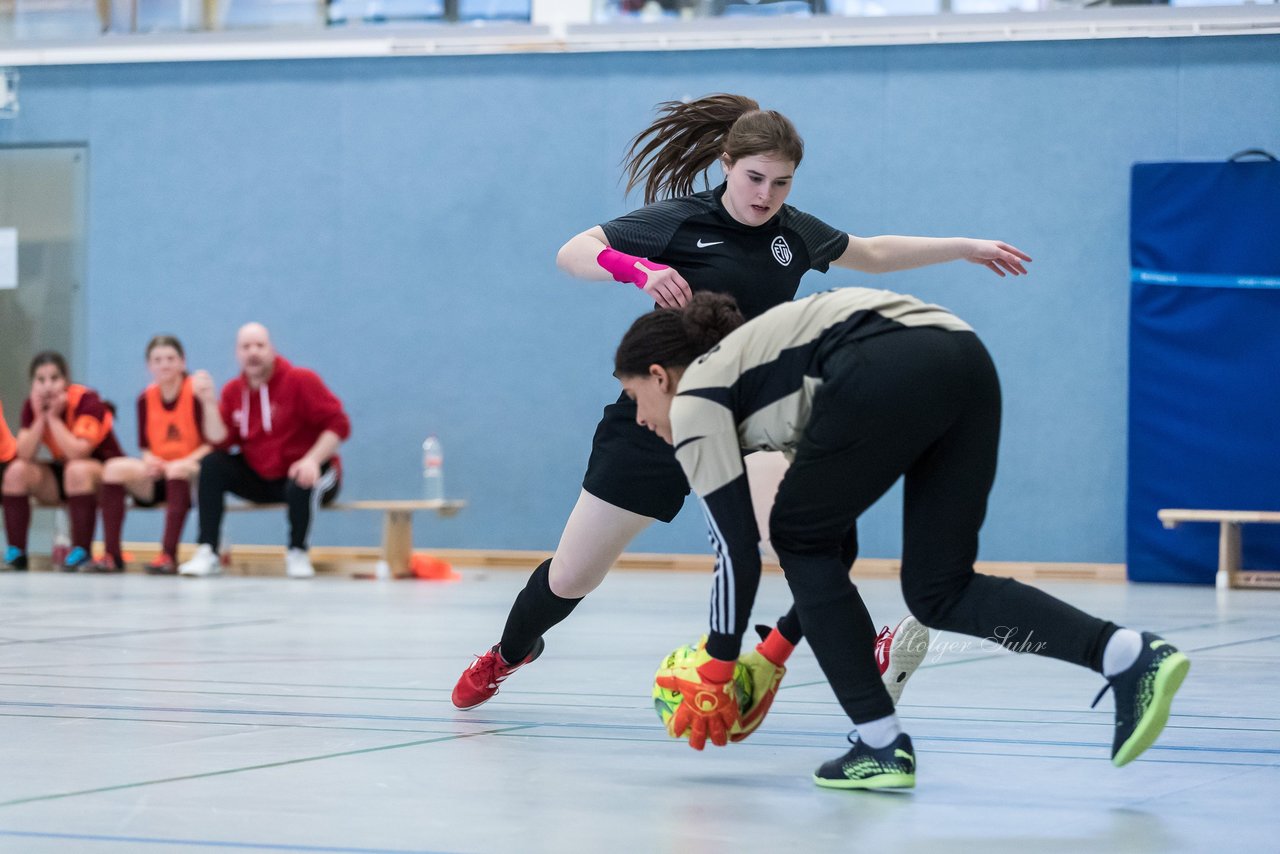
61,538
432,469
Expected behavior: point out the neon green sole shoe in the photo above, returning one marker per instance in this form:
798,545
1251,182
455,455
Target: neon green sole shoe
1144,694
863,767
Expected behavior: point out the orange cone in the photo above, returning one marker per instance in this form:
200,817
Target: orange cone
432,568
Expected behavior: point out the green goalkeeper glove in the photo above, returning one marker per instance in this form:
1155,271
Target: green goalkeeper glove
766,665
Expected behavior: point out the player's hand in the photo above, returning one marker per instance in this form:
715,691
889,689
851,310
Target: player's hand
57,404
708,706
999,257
305,472
202,386
766,665
667,287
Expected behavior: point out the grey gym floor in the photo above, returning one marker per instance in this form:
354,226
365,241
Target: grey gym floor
259,714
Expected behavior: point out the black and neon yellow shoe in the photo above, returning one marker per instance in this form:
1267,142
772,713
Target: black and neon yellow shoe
1144,694
863,767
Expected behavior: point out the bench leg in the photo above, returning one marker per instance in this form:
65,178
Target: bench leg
397,541
1228,554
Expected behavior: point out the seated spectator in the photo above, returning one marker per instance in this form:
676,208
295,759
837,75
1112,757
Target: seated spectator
8,445
172,443
288,426
74,424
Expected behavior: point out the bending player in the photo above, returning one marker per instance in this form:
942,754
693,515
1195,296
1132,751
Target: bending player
860,388
740,238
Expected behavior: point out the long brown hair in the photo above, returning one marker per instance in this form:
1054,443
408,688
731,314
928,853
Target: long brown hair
674,337
686,138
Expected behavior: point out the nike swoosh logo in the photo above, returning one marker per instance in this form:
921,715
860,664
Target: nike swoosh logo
702,245
902,754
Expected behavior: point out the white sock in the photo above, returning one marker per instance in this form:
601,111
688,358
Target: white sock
881,732
1121,653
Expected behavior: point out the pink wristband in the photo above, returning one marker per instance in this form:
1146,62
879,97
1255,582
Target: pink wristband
623,266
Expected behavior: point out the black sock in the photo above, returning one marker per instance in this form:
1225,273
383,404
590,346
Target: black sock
789,627
535,611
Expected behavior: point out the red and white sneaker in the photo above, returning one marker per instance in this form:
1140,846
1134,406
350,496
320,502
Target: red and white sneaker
899,653
485,676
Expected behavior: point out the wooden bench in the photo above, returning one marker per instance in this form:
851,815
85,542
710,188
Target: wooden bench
397,523
1230,573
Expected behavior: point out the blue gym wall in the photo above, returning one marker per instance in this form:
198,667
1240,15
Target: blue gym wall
395,222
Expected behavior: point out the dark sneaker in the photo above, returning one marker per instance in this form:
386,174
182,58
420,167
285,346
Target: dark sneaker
162,565
76,560
486,674
15,558
863,767
107,564
1144,694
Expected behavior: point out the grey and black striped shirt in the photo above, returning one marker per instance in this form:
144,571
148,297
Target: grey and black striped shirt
754,391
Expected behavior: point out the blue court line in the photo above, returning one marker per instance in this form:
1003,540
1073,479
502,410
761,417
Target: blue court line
130,632
601,726
825,745
213,843
1100,719
259,767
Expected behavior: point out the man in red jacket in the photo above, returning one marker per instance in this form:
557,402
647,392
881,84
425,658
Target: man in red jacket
288,426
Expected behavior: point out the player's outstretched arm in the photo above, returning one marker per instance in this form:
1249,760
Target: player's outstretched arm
891,252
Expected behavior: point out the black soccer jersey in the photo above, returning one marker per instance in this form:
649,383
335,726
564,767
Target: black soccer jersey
759,266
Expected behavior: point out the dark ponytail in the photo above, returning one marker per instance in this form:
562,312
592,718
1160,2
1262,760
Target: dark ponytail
686,139
674,337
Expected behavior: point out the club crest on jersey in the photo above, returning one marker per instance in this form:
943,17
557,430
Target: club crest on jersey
781,251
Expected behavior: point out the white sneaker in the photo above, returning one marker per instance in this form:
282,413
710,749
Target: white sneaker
899,653
298,565
205,562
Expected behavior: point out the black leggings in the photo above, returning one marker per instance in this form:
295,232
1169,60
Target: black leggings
922,403
221,472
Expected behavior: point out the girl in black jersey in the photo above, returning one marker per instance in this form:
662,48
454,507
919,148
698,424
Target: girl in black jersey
741,239
860,388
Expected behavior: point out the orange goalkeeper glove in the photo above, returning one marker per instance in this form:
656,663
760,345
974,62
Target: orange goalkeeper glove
766,665
708,705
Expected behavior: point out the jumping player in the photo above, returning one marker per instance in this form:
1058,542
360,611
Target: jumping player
859,388
74,424
171,441
740,238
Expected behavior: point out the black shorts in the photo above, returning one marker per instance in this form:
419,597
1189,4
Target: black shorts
159,494
59,469
632,468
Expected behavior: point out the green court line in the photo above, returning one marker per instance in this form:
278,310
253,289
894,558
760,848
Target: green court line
274,684
201,723
282,763
996,655
127,633
188,691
